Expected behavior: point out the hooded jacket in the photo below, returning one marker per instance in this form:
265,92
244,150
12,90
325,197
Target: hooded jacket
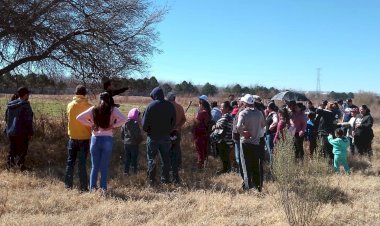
339,145
130,132
19,118
159,117
75,129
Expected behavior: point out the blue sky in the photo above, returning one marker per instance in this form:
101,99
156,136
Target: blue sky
278,43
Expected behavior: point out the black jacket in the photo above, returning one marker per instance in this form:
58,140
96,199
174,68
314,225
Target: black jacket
326,122
159,117
365,128
114,93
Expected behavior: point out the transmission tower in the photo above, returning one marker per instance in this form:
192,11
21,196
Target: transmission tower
318,91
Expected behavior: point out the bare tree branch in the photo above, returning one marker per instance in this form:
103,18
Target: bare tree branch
90,39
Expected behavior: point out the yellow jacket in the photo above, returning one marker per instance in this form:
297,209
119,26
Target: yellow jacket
75,129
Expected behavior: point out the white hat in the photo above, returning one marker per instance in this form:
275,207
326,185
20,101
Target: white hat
204,97
248,98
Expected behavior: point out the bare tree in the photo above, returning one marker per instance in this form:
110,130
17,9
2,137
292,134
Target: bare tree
89,39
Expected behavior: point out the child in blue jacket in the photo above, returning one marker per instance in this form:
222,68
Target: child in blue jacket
340,144
311,133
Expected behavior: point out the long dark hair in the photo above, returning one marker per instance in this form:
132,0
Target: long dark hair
227,105
285,114
102,112
14,96
365,107
206,106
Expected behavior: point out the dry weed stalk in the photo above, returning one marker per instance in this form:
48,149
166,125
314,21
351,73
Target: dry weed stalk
3,201
303,186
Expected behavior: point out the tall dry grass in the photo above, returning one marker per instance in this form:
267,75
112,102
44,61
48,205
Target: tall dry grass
303,185
369,99
38,197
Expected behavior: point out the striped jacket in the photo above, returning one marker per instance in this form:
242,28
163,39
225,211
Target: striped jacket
225,124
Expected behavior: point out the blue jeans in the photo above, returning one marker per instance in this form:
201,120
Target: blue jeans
269,144
101,150
77,148
237,158
131,157
237,152
153,146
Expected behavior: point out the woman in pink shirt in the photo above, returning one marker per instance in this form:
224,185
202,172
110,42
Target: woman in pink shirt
102,119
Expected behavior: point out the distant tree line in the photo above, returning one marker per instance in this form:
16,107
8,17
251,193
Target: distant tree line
38,83
344,96
44,84
262,91
48,84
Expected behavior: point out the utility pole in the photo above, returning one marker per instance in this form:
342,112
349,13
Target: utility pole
318,91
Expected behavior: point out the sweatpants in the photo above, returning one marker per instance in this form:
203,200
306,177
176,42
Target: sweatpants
201,145
341,160
252,157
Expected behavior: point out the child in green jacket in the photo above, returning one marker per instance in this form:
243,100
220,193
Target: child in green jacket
340,144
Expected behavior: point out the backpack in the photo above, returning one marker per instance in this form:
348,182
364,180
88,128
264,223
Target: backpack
217,136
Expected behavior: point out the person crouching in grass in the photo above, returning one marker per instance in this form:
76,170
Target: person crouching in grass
340,144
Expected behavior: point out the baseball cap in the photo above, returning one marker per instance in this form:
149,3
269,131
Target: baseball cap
248,98
204,97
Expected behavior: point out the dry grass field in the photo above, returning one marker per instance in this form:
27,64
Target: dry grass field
38,197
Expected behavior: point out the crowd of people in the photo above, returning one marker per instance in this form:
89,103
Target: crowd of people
242,132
